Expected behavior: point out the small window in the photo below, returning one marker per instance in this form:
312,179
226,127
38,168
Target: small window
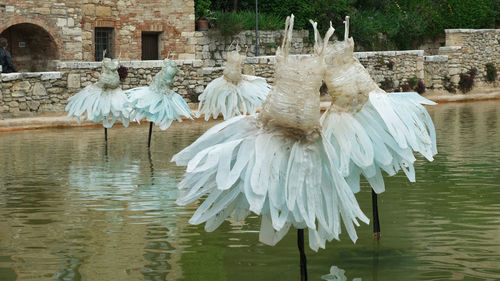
150,45
103,41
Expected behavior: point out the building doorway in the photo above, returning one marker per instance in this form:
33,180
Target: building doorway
32,47
150,45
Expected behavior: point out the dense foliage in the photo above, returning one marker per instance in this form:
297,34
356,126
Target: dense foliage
230,23
378,24
491,72
466,82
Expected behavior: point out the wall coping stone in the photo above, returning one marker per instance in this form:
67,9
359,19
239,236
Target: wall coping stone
437,58
130,64
21,75
470,30
389,53
450,48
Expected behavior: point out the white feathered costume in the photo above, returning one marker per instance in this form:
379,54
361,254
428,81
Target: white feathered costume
276,164
158,102
233,93
372,130
103,100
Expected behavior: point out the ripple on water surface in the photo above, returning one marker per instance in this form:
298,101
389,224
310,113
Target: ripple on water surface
73,208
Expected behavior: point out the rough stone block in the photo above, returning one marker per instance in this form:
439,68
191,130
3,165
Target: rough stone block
58,11
88,9
199,89
103,11
73,80
23,106
20,89
61,22
43,10
39,89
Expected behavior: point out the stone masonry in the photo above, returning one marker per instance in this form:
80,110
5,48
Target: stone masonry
465,49
70,25
211,47
28,93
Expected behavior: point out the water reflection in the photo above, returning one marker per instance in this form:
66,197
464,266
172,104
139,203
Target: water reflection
72,209
337,274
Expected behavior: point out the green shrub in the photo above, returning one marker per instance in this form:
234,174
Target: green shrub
122,72
491,72
377,24
201,8
413,82
387,85
405,87
229,24
271,45
246,20
420,87
466,82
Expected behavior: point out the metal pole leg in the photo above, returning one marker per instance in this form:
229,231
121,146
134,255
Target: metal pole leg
303,260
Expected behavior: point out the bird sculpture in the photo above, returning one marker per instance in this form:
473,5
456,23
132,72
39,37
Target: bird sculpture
103,100
233,93
372,131
159,103
277,164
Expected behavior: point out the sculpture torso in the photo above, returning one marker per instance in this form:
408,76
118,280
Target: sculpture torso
232,71
294,101
348,82
109,78
164,80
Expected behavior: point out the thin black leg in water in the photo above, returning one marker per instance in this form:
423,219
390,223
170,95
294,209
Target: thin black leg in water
105,134
303,261
150,132
376,223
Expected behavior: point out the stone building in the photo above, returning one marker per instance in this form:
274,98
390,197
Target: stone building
42,32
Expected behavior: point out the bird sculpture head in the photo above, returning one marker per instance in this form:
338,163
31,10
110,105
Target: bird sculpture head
110,64
170,69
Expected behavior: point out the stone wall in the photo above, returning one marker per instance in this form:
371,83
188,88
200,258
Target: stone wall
398,67
211,46
28,93
70,26
465,49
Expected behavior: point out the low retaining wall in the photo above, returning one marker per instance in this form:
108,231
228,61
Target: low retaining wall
28,93
25,93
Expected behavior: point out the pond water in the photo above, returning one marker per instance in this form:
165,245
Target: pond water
72,208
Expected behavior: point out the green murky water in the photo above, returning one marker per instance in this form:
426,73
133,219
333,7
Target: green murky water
73,209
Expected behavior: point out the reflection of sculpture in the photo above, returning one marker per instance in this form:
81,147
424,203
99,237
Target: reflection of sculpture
103,100
233,93
277,164
337,274
158,103
372,130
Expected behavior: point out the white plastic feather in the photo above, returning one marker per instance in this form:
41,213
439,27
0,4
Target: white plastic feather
277,164
372,130
233,93
102,101
158,103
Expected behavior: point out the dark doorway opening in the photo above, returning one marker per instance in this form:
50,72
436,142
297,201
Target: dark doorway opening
32,47
150,45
